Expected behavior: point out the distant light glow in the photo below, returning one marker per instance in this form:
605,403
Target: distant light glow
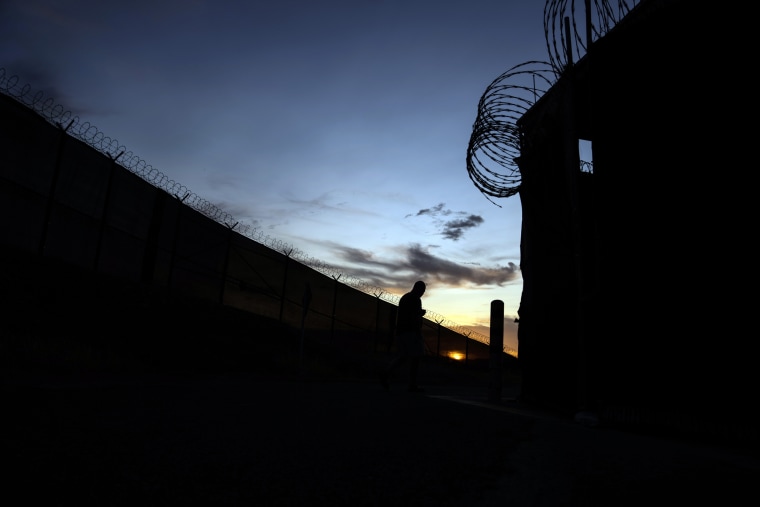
457,356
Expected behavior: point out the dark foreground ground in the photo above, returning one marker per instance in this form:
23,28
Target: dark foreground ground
243,440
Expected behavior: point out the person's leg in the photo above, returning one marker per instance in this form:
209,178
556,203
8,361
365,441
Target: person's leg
386,374
417,350
414,366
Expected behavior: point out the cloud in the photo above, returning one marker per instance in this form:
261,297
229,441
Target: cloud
450,229
362,257
456,275
436,210
454,229
415,262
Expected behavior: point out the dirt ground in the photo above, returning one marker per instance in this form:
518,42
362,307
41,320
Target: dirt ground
244,440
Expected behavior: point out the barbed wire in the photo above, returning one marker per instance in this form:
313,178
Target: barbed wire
604,15
494,146
495,138
85,131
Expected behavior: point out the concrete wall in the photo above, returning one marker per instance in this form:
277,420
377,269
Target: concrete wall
66,203
632,274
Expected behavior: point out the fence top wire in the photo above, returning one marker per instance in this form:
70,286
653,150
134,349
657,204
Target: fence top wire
56,114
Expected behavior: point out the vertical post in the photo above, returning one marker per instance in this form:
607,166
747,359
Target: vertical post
572,169
438,345
569,43
284,283
51,190
391,327
377,321
305,301
151,241
496,349
588,25
334,306
226,262
175,240
106,205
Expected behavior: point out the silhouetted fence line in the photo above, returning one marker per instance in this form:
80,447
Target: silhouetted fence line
181,262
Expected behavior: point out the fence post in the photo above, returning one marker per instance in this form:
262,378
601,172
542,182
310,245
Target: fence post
175,241
226,262
106,204
284,282
438,345
51,190
305,301
335,303
151,241
496,348
391,327
377,320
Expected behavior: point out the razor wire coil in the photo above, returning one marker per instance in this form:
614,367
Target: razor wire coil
494,147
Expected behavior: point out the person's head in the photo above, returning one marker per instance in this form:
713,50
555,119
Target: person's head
419,288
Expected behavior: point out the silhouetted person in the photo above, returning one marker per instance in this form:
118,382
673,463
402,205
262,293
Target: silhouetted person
409,343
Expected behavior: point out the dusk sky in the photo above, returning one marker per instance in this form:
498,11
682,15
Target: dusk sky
340,128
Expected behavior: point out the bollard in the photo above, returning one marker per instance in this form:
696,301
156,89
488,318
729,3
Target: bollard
496,348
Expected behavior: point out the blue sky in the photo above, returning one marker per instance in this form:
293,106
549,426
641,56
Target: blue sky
338,127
